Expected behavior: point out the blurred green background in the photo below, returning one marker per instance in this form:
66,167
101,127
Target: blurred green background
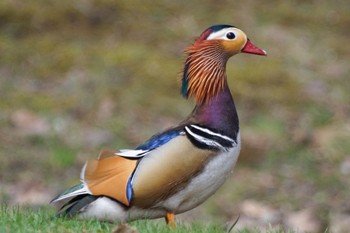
76,76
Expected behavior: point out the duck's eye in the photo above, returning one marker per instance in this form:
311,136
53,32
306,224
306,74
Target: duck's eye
230,35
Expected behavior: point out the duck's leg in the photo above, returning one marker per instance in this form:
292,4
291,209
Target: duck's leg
170,219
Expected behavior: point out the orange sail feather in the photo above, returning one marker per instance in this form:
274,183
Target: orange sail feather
109,175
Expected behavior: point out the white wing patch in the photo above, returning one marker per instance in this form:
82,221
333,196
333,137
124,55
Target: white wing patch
127,153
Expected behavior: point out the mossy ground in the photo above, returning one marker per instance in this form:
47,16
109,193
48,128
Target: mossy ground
76,76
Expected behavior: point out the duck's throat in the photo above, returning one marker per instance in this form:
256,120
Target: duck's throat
219,113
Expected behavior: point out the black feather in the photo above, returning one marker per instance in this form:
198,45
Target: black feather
74,206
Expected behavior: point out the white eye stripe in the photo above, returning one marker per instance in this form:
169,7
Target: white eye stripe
222,34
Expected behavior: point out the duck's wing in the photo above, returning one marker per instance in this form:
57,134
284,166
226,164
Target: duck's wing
111,173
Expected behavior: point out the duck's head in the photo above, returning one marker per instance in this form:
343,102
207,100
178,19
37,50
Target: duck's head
231,39
204,73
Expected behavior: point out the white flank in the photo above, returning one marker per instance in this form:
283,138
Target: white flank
108,210
104,209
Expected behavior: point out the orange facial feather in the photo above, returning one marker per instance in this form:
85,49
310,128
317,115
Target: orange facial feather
205,74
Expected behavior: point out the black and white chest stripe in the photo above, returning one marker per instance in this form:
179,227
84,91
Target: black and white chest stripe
205,138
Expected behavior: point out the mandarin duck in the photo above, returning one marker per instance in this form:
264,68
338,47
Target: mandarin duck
178,169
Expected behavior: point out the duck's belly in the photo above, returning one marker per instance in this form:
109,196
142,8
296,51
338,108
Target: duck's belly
205,184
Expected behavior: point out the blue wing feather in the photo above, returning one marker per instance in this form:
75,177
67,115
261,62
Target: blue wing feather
159,139
154,142
151,144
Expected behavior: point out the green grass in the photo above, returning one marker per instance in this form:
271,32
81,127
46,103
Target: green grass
44,220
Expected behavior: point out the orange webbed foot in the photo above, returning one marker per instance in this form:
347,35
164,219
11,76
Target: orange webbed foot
170,219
